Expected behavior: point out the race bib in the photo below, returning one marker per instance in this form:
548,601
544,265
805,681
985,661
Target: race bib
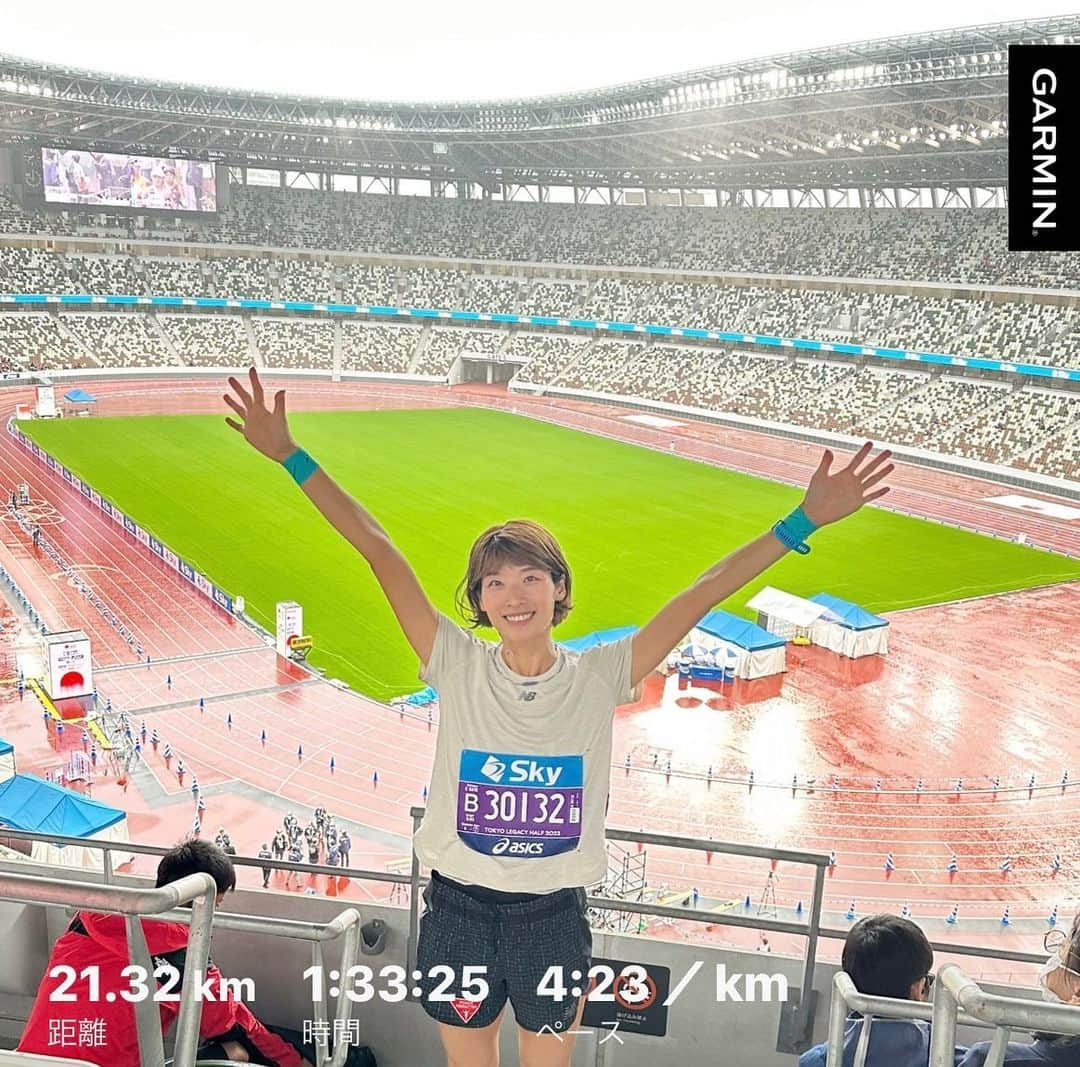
513,805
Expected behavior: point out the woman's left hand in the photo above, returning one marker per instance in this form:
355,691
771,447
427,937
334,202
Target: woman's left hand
831,497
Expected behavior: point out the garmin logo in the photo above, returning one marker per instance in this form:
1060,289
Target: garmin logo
1044,124
1044,135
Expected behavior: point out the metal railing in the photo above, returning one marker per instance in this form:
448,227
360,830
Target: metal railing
345,925
797,1016
197,889
959,998
846,999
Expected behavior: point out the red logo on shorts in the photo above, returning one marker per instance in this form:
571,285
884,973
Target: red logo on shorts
465,1009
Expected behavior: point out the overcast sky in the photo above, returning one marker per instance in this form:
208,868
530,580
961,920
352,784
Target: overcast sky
446,50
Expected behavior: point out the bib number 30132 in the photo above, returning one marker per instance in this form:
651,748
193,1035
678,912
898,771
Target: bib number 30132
517,805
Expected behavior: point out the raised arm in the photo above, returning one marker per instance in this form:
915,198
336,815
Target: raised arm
829,498
267,431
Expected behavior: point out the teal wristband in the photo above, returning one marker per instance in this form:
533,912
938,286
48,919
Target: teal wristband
788,539
300,465
798,525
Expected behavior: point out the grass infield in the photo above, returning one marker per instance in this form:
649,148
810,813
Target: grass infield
636,525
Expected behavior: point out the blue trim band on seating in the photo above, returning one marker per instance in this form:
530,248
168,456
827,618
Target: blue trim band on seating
1036,370
300,465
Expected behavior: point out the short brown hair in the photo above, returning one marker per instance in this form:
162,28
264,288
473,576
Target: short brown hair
523,543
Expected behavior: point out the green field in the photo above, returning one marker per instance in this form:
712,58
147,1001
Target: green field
636,525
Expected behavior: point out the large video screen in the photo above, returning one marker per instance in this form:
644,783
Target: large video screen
107,179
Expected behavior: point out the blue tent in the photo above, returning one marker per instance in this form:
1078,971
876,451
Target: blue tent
30,803
738,631
847,614
424,696
80,396
6,747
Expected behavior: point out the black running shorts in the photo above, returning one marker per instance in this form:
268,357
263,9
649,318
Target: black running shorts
511,945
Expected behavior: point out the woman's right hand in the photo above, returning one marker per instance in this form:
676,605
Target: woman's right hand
265,429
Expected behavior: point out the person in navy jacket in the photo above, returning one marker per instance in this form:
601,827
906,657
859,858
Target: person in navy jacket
885,956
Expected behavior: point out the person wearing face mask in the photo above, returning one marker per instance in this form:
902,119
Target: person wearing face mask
885,956
1059,978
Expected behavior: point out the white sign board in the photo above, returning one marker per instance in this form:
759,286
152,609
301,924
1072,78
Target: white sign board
290,623
71,673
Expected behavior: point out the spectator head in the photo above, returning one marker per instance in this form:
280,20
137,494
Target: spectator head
886,956
197,857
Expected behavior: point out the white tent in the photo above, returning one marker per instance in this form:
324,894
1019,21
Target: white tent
785,614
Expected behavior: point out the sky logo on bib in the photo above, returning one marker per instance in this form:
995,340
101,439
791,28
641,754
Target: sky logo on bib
531,772
522,772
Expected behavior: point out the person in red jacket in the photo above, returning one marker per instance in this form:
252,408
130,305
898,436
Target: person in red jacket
91,1017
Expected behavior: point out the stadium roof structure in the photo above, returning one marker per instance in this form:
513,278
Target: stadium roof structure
906,112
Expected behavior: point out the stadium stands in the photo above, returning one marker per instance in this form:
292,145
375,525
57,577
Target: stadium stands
128,339
378,349
208,340
955,245
31,340
294,343
445,345
1017,331
1031,428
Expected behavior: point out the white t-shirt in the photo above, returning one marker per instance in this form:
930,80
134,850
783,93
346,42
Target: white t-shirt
519,786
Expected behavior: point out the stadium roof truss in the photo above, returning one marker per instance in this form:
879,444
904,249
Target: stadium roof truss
902,112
